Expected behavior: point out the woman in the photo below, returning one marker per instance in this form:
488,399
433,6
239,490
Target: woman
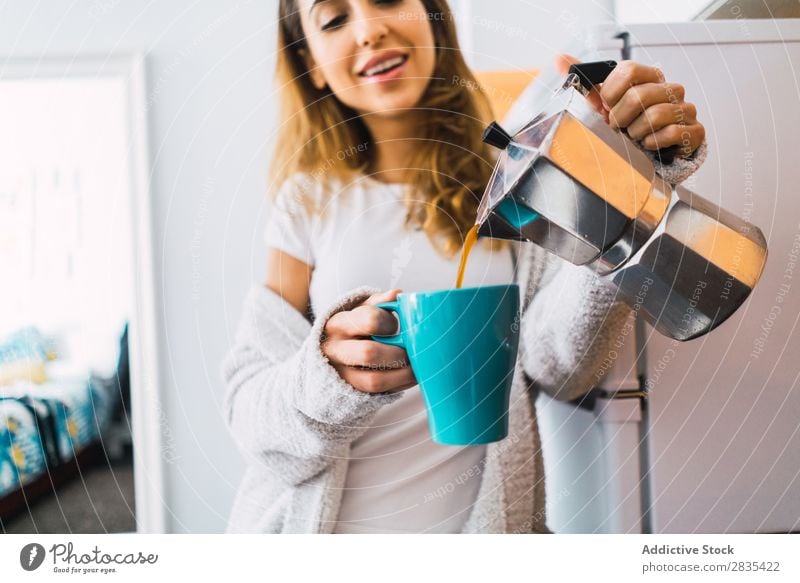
380,168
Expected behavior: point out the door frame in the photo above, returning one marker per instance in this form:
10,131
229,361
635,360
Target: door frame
147,412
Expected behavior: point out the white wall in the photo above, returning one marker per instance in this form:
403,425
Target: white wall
210,115
524,34
208,74
639,11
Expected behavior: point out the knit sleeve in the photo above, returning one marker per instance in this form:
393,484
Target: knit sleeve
285,405
569,329
290,222
680,168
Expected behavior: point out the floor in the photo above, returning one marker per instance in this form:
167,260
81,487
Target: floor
98,501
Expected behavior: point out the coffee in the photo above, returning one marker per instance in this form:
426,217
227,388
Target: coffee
469,241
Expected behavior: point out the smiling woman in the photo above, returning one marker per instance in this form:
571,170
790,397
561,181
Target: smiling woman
333,421
363,72
409,54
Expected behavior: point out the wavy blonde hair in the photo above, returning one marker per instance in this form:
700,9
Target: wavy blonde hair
452,164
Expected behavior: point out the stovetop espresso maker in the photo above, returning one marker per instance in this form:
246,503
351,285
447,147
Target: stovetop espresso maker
570,183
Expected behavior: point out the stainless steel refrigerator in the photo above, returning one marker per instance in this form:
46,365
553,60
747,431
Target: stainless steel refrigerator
702,436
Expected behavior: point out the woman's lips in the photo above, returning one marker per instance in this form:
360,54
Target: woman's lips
376,71
388,75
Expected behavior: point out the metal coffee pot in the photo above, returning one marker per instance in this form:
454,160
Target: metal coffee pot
585,192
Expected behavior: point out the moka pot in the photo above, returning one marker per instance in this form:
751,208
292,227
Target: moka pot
570,183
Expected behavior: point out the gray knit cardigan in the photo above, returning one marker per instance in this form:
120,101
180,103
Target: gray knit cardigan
294,418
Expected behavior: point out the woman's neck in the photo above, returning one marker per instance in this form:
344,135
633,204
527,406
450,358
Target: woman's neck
395,139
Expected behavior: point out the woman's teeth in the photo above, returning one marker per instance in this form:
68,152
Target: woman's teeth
384,66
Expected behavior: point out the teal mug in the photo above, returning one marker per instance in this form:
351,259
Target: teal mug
462,346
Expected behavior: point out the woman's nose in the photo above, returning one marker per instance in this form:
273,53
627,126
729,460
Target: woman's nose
370,28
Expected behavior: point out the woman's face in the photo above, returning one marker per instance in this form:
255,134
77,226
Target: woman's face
377,56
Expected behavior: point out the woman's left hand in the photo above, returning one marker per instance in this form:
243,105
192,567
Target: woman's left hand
637,97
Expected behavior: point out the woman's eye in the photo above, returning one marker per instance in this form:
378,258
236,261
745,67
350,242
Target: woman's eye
335,23
387,2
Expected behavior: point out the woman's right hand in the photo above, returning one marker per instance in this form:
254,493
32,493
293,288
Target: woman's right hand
367,365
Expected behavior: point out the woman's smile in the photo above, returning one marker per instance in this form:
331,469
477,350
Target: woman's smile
376,57
386,67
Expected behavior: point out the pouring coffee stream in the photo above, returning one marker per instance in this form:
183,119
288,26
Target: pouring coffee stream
585,192
469,241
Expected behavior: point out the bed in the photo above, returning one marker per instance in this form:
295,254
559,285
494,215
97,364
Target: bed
46,430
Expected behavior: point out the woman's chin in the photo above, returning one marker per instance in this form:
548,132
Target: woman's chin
383,98
391,105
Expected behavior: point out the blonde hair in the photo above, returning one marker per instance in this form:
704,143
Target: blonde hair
451,166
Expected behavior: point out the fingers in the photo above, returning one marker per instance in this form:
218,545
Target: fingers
364,320
379,298
365,353
370,381
596,102
367,365
361,321
687,137
637,99
626,75
659,116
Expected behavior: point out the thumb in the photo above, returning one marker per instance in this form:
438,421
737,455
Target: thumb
562,64
563,61
379,298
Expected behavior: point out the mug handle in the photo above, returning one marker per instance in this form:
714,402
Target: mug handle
396,339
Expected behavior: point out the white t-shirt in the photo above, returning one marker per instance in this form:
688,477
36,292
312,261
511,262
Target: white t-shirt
398,479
